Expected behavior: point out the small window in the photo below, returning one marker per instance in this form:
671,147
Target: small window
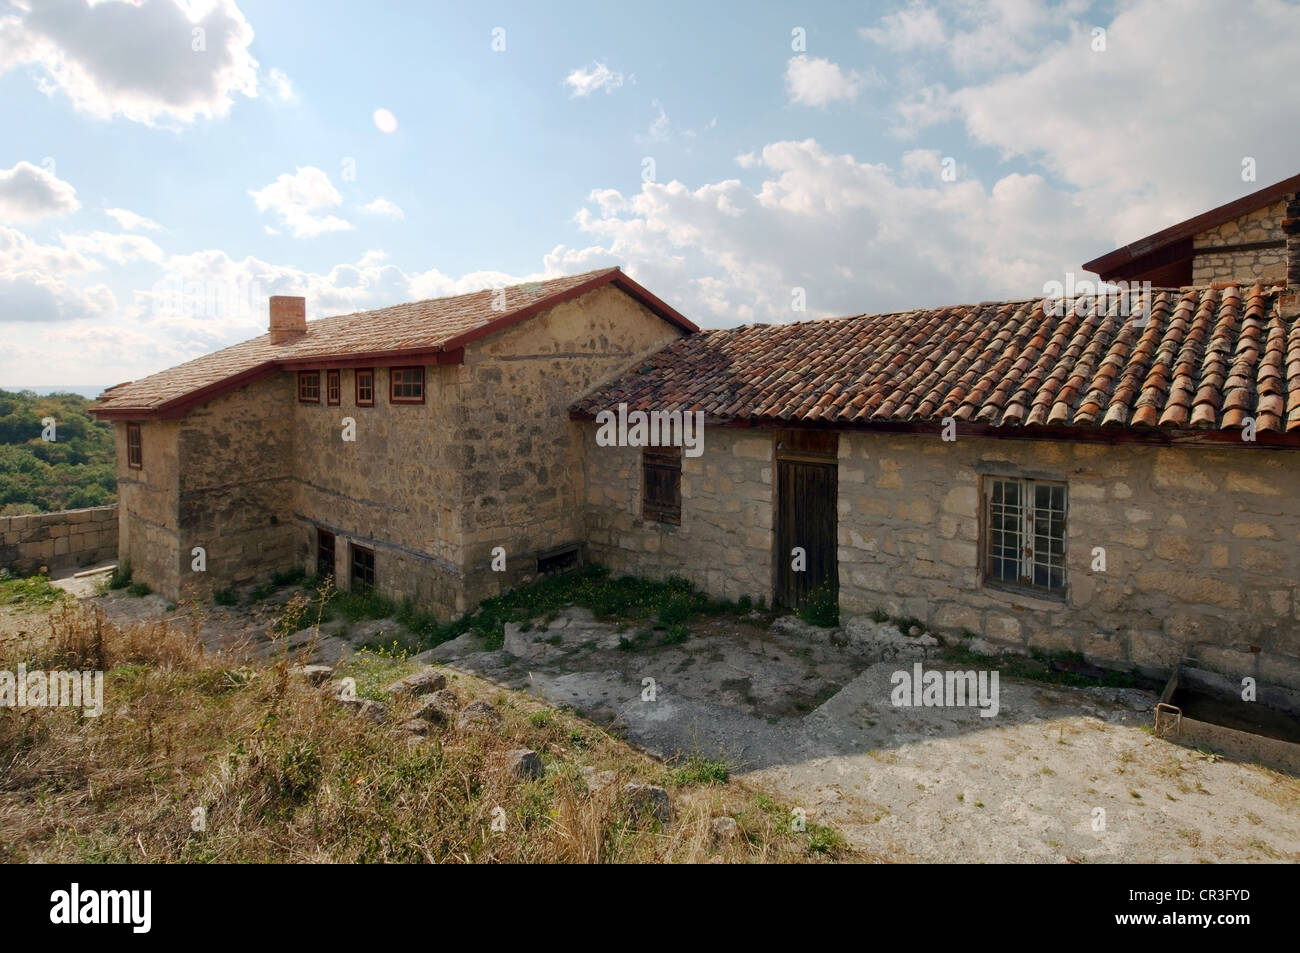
309,387
363,567
324,553
134,449
333,387
1025,534
661,479
365,388
406,385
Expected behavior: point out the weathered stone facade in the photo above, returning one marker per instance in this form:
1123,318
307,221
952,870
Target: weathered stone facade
58,540
724,542
149,537
1214,258
489,459
1201,547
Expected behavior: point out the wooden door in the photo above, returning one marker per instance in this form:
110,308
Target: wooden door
807,483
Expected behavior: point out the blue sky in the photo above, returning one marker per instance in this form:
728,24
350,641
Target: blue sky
877,156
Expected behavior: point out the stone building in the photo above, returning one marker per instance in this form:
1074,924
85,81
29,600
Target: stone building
1254,238
396,448
1117,477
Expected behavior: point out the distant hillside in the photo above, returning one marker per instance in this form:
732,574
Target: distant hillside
73,471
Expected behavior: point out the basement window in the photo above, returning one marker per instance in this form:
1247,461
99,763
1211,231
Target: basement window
557,560
406,385
333,387
1024,542
661,485
134,448
365,388
309,387
363,567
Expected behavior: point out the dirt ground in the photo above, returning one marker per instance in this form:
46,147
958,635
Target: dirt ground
813,722
1058,775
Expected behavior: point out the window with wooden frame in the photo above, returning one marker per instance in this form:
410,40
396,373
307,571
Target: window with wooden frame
363,567
134,448
309,387
661,484
406,385
365,387
1024,530
333,387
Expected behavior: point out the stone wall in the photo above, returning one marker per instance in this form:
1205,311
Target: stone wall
1263,264
520,455
724,543
58,540
235,488
1202,548
489,459
392,490
148,508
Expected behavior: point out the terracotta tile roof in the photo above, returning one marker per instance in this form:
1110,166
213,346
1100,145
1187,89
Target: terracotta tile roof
1206,358
439,324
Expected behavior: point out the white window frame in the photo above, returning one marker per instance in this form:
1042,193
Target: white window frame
1030,517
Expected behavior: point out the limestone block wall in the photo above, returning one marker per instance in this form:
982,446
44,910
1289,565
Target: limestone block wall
235,486
520,455
148,506
1248,265
724,543
1202,548
392,490
58,540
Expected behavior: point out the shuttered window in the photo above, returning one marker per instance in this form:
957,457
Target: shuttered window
661,478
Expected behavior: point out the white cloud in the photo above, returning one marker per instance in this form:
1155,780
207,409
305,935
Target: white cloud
135,59
1121,139
117,248
662,128
300,199
857,236
29,193
281,86
814,81
586,80
916,26
131,221
385,121
36,284
381,206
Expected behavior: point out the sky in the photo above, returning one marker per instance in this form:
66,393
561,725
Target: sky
165,165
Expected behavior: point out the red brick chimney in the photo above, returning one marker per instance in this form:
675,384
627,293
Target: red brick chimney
288,318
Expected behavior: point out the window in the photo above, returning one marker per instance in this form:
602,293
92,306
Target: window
365,388
363,567
1025,544
333,387
324,553
661,479
134,449
406,385
309,387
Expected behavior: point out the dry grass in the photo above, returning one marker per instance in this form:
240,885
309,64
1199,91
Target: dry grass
278,772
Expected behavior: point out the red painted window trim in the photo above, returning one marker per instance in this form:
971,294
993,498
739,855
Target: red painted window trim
133,430
303,376
356,382
333,388
392,385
